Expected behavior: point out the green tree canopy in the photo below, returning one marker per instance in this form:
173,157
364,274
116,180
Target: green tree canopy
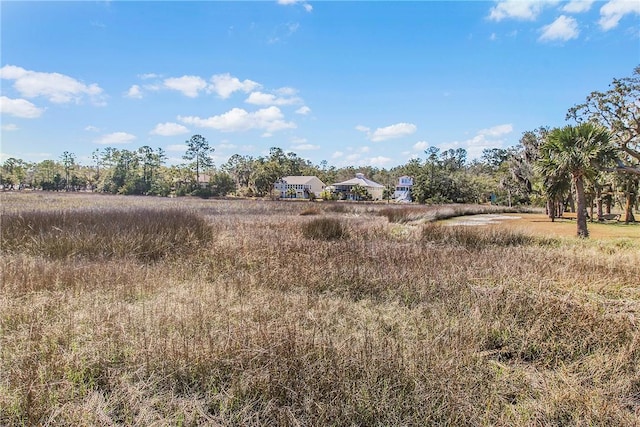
579,151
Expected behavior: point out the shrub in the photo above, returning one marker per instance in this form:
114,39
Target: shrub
324,229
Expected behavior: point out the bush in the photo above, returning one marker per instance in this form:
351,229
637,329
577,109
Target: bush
203,193
324,229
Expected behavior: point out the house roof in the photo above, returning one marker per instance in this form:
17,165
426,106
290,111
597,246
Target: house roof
362,181
300,180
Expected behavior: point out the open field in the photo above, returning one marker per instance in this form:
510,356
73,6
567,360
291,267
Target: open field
144,311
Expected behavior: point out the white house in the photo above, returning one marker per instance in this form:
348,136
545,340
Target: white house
403,189
299,187
374,189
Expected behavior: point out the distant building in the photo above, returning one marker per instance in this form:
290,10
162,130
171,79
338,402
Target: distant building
346,188
299,187
203,180
403,189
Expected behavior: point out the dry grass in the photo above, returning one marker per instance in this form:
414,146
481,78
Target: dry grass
406,214
262,326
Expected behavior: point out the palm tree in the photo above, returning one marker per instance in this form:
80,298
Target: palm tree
579,151
555,188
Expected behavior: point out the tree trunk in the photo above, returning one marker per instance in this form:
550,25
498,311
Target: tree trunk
628,217
582,208
599,201
571,203
551,209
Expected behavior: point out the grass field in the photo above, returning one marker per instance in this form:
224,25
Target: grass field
149,311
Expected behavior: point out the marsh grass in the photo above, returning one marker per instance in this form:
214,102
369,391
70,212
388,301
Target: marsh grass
145,234
404,214
311,211
475,237
324,229
262,326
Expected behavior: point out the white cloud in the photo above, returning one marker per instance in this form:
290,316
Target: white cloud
268,119
176,147
10,127
92,129
304,4
115,138
397,130
525,10
578,6
286,91
497,131
225,84
564,28
19,108
305,147
134,92
169,129
337,155
261,98
421,145
613,11
378,161
284,31
57,88
189,85
148,76
493,137
226,146
304,110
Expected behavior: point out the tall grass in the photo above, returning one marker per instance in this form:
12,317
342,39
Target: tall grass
324,229
145,234
474,237
403,214
262,326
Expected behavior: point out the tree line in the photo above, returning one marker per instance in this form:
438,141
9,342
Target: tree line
586,166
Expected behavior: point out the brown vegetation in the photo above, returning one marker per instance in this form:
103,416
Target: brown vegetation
247,322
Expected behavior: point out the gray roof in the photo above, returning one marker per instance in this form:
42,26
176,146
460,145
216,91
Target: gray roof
300,180
362,181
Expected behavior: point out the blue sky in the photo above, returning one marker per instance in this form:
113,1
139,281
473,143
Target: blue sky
352,83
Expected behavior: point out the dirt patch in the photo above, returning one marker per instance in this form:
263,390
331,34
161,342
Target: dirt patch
479,220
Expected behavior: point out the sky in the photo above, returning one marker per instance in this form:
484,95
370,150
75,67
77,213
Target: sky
353,83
